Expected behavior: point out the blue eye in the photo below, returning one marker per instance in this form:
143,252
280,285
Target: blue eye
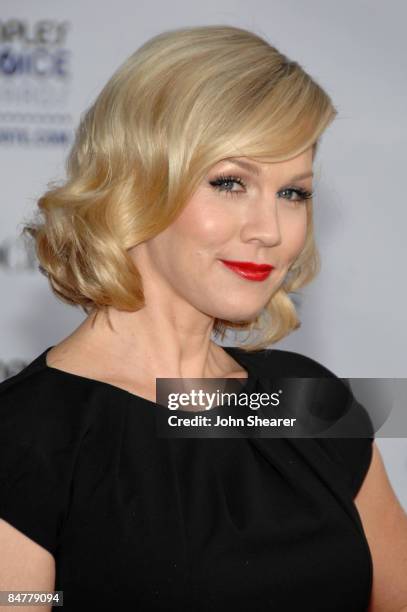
223,182
302,194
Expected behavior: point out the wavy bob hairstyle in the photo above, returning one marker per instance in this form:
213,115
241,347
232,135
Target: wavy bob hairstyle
186,99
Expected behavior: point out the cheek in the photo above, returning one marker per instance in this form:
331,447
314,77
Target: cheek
295,234
204,224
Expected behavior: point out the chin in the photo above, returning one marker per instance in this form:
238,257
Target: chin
237,315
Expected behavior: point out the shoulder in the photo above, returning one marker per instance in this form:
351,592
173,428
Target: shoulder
342,425
38,385
349,439
37,407
49,425
41,432
344,428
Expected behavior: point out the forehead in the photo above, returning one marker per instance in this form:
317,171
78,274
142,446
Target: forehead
301,165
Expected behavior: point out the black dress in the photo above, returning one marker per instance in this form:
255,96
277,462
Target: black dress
141,522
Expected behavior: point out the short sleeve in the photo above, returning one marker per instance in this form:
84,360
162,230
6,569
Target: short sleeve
348,441
354,453
38,444
30,493
353,456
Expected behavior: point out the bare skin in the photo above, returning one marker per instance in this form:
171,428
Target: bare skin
186,286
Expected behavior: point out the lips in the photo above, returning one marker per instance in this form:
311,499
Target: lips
248,269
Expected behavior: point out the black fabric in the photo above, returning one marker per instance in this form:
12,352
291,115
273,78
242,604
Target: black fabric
140,522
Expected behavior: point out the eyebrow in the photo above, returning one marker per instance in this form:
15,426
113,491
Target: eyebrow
256,170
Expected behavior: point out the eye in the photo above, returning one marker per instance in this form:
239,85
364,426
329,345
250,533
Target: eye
221,182
301,194
224,183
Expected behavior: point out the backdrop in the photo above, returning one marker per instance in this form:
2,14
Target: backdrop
54,59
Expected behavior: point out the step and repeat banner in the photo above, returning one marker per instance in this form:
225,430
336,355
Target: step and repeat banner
55,58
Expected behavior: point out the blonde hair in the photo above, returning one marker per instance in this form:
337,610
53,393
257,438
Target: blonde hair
186,99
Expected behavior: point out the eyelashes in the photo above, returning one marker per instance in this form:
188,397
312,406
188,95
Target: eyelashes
221,180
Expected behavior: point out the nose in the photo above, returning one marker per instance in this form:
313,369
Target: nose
262,223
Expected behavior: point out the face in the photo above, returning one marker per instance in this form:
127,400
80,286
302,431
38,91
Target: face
238,213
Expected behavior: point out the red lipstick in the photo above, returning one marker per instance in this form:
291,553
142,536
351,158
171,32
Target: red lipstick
248,269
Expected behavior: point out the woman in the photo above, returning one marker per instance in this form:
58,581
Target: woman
197,154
